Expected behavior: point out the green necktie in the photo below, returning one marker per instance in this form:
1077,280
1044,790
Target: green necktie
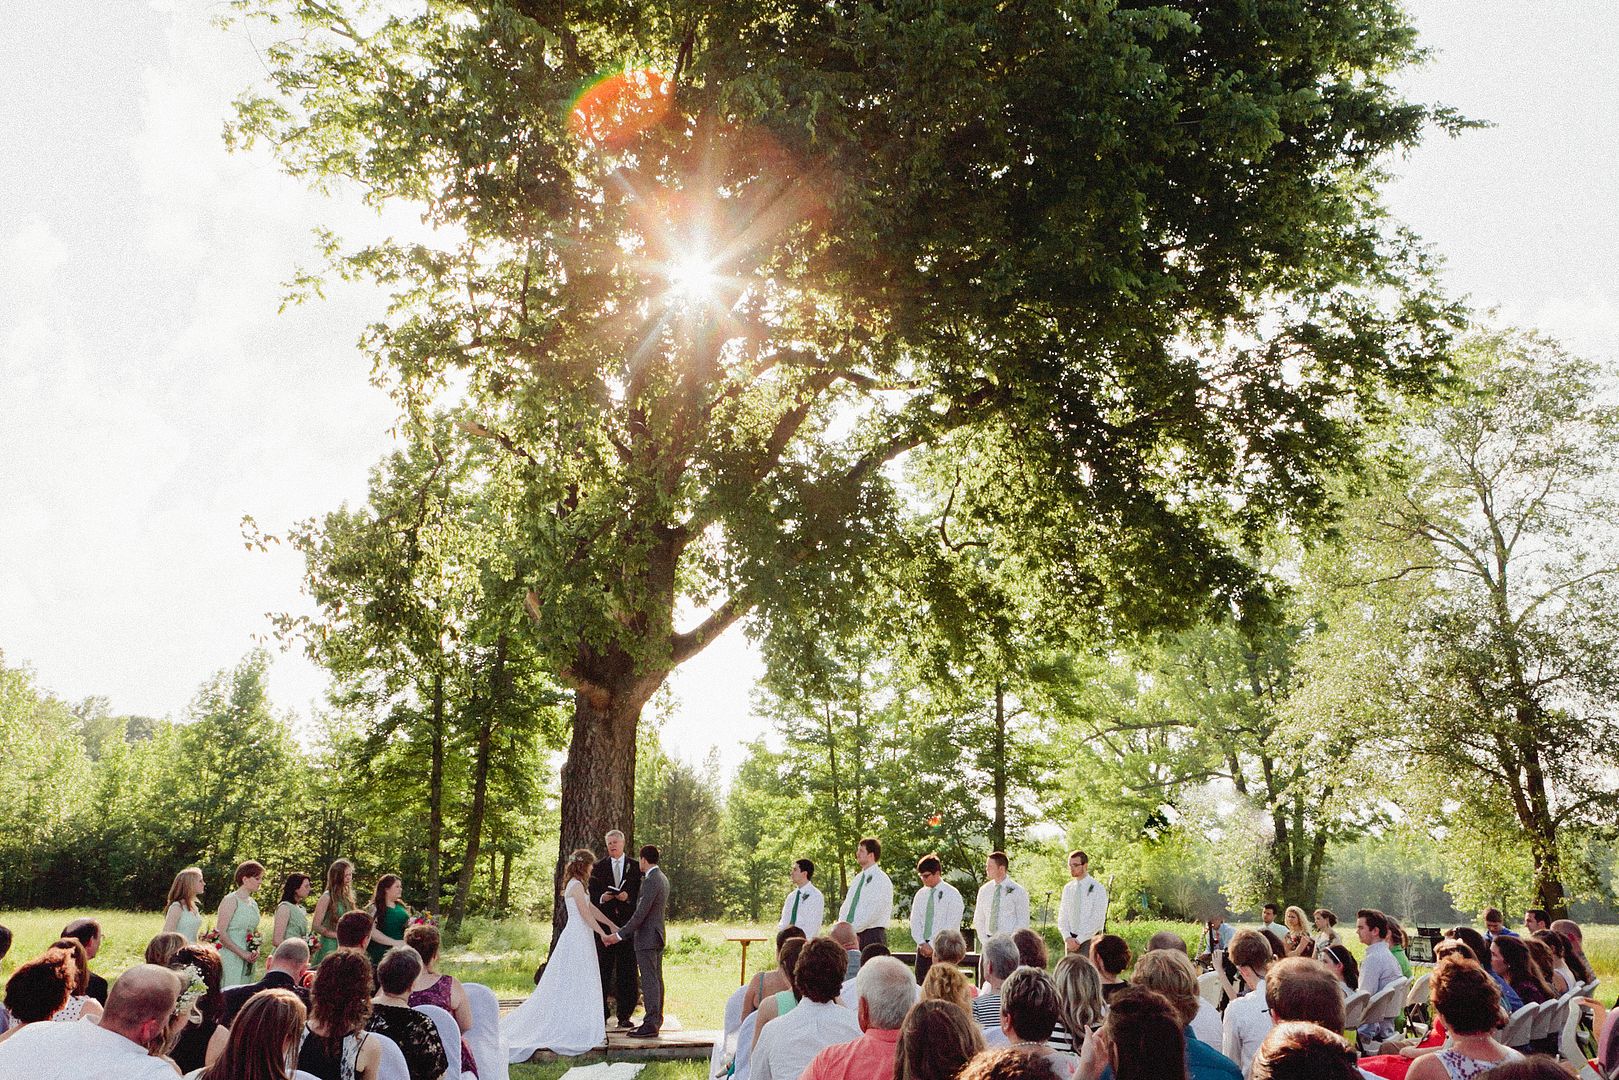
927,931
797,896
995,911
854,901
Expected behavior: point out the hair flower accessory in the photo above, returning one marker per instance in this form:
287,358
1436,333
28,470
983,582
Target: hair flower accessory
196,987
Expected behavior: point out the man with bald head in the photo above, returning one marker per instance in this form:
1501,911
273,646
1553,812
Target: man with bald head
285,971
140,1009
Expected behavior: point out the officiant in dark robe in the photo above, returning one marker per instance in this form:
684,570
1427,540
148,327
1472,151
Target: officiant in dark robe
615,886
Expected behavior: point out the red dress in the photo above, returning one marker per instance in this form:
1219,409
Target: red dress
1395,1066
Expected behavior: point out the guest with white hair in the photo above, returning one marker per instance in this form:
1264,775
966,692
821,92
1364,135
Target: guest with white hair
886,991
1000,960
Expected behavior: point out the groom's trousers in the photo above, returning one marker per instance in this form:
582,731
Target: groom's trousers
650,962
618,975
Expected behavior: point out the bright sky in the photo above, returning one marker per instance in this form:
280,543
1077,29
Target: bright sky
150,394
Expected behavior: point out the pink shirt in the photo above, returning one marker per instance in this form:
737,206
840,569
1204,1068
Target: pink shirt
870,1057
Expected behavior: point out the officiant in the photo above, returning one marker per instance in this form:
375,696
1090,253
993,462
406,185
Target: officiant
615,885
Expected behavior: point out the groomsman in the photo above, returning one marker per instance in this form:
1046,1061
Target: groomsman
1003,904
937,907
1083,911
805,905
869,904
615,886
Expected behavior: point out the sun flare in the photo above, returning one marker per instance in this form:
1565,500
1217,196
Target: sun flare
692,278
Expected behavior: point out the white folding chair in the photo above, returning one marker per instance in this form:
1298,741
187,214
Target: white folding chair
1355,1009
449,1033
1522,1022
1419,992
733,1021
393,1065
1550,1019
484,1038
1209,988
1568,1047
744,1046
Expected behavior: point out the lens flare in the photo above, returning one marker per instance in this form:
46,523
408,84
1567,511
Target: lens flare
613,110
692,278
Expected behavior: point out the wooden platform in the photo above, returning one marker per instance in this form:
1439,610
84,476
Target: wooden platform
668,1046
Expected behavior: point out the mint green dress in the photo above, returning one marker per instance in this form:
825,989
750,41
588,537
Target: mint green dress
189,923
297,920
390,923
233,971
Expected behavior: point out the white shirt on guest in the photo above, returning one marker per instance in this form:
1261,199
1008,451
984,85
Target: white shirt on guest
78,1050
789,1043
1014,913
811,910
1206,1024
948,908
876,903
1247,1022
1083,910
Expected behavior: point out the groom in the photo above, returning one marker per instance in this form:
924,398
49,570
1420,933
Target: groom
645,928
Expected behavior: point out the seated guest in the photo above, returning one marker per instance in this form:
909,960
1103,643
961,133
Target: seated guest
1029,1012
1167,939
354,930
1111,955
1175,978
5,947
1006,1064
844,935
790,1043
1495,925
1466,999
948,985
137,1018
1553,961
771,982
1326,932
1300,989
1080,1001
203,1038
80,1006
1297,941
1539,1067
1141,1039
1031,949
949,947
1397,940
782,1001
1341,962
1247,1020
88,932
445,991
1000,958
1395,1060
37,990
1299,1051
338,1046
1576,949
264,1038
886,991
1481,952
161,949
936,1041
391,1015
868,952
285,971
1378,968
1535,920
1509,958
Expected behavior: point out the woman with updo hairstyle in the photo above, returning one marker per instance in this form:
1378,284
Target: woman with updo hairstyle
936,1041
263,1039
1142,1038
338,1046
945,982
445,991
781,1002
1031,949
182,914
161,949
203,1038
39,989
767,984
80,1005
1465,997
1302,1051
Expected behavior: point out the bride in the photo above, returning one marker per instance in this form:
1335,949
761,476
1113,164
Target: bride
564,1013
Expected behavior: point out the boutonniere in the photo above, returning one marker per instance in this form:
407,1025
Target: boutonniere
1006,890
1090,887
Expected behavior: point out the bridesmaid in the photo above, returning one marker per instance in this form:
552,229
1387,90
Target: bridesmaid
237,916
184,914
291,920
336,902
389,918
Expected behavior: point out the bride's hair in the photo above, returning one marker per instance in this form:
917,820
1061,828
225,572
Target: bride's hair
579,864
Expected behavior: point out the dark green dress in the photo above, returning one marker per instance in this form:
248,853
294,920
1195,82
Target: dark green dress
391,922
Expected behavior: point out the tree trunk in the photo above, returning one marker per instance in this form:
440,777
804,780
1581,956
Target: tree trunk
598,778
505,903
480,783
837,799
435,798
997,829
1542,831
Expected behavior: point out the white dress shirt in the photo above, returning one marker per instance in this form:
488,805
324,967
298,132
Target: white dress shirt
811,909
1206,1024
1083,910
789,1043
1014,913
948,908
1247,1022
77,1050
876,903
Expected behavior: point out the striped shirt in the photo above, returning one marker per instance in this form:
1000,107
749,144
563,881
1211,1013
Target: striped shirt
987,1009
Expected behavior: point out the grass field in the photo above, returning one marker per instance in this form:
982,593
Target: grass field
700,966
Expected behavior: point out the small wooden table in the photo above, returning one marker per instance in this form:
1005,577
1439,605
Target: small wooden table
745,940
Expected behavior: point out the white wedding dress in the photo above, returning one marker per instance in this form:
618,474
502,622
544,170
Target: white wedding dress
564,1013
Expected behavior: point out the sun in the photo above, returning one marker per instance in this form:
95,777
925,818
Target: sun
693,278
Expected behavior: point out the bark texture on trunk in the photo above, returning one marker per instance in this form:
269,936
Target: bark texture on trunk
435,800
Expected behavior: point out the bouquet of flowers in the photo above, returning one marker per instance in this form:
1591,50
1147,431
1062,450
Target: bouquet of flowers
254,941
211,937
196,987
426,918
314,943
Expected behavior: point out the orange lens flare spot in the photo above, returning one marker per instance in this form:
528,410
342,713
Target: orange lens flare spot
613,110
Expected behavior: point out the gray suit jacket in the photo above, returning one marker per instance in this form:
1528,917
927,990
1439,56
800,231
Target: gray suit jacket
646,925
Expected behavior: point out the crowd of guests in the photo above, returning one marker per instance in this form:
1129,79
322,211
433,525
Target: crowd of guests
334,992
